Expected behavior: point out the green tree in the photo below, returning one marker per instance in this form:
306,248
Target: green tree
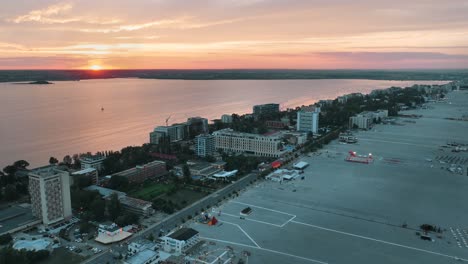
67,160
5,239
21,164
10,170
151,237
118,182
187,173
10,192
98,208
53,161
114,207
85,226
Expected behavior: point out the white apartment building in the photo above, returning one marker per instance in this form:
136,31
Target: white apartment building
180,240
229,140
227,119
204,145
361,121
92,161
50,194
365,120
308,119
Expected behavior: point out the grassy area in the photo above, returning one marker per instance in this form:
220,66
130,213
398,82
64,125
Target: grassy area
151,191
60,255
184,197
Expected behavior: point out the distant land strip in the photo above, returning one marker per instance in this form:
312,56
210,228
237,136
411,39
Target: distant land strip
76,75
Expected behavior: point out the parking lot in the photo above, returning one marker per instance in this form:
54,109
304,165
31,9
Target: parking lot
346,212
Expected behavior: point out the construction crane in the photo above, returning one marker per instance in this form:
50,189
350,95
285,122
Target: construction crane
167,120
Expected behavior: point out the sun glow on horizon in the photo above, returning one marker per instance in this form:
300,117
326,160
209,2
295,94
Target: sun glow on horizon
95,67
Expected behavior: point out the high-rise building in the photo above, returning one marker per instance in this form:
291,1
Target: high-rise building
196,126
229,140
205,145
175,132
308,119
49,189
226,119
265,110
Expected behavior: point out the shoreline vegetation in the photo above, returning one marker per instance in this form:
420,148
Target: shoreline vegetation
42,82
76,75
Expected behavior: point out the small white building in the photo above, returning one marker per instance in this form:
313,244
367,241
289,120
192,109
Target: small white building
146,256
181,240
300,165
92,161
282,175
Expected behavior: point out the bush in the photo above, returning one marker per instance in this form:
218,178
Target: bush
5,239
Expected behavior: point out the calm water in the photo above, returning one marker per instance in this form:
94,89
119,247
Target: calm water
65,118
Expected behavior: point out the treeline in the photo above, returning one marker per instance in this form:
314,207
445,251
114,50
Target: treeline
13,187
10,255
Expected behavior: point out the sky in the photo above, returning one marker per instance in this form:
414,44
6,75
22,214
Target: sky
232,34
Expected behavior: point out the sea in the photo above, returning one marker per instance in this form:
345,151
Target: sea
68,117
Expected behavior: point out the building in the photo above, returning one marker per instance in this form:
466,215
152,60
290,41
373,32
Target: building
49,189
226,119
143,172
281,175
90,173
229,140
276,124
137,206
196,126
174,132
108,234
92,161
204,145
295,138
129,204
308,119
180,240
146,256
365,120
104,192
139,246
265,110
360,121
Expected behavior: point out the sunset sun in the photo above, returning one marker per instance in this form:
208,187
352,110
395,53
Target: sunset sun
95,67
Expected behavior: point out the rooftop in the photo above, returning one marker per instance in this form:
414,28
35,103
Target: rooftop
105,192
183,234
15,216
92,158
129,201
142,257
85,171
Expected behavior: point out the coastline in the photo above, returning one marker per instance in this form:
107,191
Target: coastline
72,139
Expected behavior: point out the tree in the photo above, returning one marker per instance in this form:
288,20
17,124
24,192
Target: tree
21,164
82,181
127,219
118,182
85,226
76,161
114,207
151,237
53,161
98,208
187,173
67,160
10,192
10,170
5,239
